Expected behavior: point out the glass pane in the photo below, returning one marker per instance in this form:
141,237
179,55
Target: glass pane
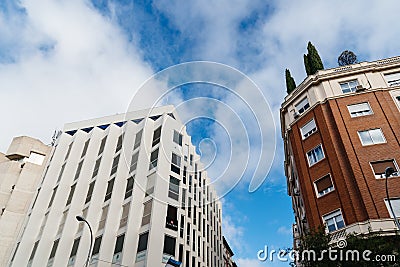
377,136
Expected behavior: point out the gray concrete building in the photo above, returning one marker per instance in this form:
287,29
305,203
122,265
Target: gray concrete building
20,172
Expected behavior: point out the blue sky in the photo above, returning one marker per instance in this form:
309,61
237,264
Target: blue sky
70,60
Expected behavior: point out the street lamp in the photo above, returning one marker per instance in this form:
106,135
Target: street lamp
81,219
389,171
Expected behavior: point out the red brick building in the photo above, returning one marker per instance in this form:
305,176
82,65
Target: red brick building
341,130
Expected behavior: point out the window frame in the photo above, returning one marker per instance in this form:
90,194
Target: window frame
304,136
362,115
316,188
349,87
373,142
332,215
308,159
394,163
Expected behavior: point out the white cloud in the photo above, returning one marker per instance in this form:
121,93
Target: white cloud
69,64
284,230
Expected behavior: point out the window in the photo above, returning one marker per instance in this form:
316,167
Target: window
96,248
323,185
395,202
36,158
134,161
379,168
177,138
302,106
358,110
173,191
34,251
188,233
74,250
147,212
61,172
119,244
181,230
103,218
156,136
349,86
153,159
371,137
78,170
169,245
69,151
315,155
119,143
129,187
186,152
171,221
53,252
308,129
71,194
138,138
102,145
142,246
124,216
90,192
334,221
176,163
85,148
189,207
114,165
52,196
184,174
190,183
151,181
393,79
96,167
183,198
191,160
110,186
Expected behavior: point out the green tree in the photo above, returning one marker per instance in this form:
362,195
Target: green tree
346,58
312,61
290,83
384,246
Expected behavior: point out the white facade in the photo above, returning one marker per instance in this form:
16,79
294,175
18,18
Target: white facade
91,173
20,172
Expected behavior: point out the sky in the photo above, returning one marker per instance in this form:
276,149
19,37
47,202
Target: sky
69,60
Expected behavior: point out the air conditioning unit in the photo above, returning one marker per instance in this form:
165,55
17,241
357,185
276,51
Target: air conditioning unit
360,88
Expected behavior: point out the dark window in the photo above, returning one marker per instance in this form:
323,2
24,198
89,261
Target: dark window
190,183
177,138
191,159
54,249
323,185
96,246
75,247
90,192
119,143
188,233
96,167
52,196
129,187
169,245
173,191
187,260
143,242
180,257
71,194
172,218
61,172
138,138
114,165
119,244
69,151
134,161
102,145
156,136
153,159
184,174
110,186
78,170
85,148
181,230
34,250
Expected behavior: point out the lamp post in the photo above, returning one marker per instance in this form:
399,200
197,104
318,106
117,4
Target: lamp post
81,219
389,171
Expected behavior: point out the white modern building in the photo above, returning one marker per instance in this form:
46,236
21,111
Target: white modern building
138,181
21,168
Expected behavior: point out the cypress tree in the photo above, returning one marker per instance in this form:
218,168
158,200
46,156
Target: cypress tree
314,59
307,65
290,83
